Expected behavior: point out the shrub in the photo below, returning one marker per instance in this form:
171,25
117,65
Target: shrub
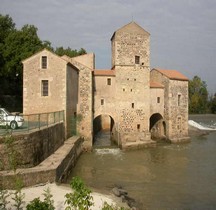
36,204
81,198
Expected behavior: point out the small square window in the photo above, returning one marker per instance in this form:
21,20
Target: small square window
137,59
102,101
158,100
44,62
44,87
109,81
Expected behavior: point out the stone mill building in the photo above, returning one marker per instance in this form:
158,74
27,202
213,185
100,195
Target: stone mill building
136,104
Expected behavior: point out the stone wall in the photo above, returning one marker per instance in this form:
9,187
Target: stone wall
105,92
175,106
34,147
55,168
72,100
129,41
132,87
33,74
85,103
156,101
178,110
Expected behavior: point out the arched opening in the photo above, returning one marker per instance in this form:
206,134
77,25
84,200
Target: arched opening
103,126
157,127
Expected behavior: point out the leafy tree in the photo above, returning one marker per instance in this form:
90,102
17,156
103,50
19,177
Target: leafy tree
15,46
6,26
212,104
19,44
198,96
69,52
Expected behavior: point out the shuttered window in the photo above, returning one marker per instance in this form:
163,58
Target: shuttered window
44,87
44,62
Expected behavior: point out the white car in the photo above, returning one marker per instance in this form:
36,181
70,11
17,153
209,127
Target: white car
8,119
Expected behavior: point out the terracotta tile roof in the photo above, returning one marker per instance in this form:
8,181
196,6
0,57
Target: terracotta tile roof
103,72
172,74
156,85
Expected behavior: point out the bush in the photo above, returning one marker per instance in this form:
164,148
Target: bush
81,198
36,204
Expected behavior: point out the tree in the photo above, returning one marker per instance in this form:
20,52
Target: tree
6,27
198,96
69,52
15,46
18,45
212,104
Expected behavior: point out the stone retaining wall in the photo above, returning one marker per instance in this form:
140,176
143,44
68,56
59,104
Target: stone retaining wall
34,147
56,167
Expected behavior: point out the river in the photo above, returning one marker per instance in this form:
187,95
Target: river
167,177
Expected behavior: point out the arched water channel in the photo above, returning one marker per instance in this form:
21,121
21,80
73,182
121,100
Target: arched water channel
166,177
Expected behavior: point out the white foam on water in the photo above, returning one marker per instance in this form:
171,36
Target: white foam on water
105,151
199,126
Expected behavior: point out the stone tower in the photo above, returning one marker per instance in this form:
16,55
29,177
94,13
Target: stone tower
131,62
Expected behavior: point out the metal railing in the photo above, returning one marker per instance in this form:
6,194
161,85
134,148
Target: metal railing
35,122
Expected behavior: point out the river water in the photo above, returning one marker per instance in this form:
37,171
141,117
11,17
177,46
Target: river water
167,177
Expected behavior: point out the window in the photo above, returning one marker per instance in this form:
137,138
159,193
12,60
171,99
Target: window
179,100
137,59
102,101
123,89
179,123
138,127
132,105
109,81
158,100
44,62
44,87
131,90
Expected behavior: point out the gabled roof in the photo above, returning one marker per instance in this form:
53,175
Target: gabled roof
172,74
35,54
103,72
156,85
46,50
131,27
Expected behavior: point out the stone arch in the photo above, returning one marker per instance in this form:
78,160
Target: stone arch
157,127
103,125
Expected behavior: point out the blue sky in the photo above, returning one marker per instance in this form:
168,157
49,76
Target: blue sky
183,32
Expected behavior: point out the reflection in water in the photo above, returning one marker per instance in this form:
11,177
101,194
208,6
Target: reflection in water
167,177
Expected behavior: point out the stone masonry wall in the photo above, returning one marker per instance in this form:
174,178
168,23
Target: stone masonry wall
157,105
72,100
132,83
178,110
175,112
34,147
105,92
85,126
33,74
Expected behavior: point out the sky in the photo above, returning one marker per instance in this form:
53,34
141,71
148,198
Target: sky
183,32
